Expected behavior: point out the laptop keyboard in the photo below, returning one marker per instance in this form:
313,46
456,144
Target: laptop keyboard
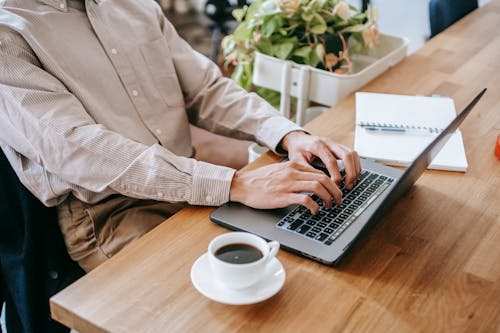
329,223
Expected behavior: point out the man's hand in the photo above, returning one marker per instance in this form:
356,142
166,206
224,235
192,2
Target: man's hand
304,148
282,184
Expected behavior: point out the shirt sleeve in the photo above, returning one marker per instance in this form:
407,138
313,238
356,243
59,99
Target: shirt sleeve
42,121
217,103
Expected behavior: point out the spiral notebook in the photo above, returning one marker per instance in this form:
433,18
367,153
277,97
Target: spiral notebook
394,129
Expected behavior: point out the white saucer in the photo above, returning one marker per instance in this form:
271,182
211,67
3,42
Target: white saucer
205,283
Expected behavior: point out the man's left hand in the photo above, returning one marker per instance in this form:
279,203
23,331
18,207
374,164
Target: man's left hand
304,148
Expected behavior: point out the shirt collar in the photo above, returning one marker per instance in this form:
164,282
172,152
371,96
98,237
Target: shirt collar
62,5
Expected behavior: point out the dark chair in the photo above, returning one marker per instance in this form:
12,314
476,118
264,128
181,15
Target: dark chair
443,13
34,263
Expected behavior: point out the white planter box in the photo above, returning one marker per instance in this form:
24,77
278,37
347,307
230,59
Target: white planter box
324,87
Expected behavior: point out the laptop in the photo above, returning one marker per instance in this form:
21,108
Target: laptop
327,236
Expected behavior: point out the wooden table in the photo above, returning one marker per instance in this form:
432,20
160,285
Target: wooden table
431,264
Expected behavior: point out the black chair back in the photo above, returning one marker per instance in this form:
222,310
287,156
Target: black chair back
34,263
443,13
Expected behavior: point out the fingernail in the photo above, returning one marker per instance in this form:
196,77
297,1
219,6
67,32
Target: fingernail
349,186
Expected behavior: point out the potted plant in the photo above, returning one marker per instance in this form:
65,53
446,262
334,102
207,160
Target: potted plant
339,47
319,33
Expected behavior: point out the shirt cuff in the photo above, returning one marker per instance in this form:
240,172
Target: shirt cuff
211,184
273,130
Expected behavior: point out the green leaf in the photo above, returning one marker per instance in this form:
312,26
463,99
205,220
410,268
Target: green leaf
239,13
307,17
355,28
320,51
228,44
265,46
303,52
318,25
267,8
242,33
253,8
271,25
282,51
271,96
313,60
237,74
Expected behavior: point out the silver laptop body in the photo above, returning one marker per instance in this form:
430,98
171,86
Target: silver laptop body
281,224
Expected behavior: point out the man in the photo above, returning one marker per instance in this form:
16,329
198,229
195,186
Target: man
96,98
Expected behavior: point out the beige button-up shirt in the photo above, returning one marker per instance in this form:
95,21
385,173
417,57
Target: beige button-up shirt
96,98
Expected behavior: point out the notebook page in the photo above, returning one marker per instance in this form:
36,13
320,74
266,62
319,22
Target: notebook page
400,148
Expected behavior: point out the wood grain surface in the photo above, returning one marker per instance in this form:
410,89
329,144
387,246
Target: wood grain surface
432,264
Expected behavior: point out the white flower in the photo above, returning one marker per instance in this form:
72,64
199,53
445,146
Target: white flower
342,10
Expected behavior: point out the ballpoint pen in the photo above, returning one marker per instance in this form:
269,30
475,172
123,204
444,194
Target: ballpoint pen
398,129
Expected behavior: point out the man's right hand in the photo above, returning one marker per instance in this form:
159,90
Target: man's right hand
283,184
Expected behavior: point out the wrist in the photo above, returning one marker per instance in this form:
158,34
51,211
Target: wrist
236,189
288,139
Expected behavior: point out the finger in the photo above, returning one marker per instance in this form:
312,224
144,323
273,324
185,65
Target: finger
304,166
350,160
350,165
308,182
314,187
326,155
358,163
304,200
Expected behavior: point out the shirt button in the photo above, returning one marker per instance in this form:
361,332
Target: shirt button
208,198
158,131
135,93
53,275
62,5
114,51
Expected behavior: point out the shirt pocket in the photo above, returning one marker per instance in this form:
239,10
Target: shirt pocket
160,65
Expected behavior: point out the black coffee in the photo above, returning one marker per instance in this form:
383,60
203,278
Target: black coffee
238,253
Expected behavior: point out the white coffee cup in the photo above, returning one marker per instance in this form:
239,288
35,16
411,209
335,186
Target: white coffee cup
240,275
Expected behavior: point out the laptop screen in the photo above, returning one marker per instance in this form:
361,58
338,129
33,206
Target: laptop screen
420,164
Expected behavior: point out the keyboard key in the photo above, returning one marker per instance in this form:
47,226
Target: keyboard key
338,220
303,229
348,211
295,225
311,234
333,225
328,230
321,224
321,237
311,222
316,229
